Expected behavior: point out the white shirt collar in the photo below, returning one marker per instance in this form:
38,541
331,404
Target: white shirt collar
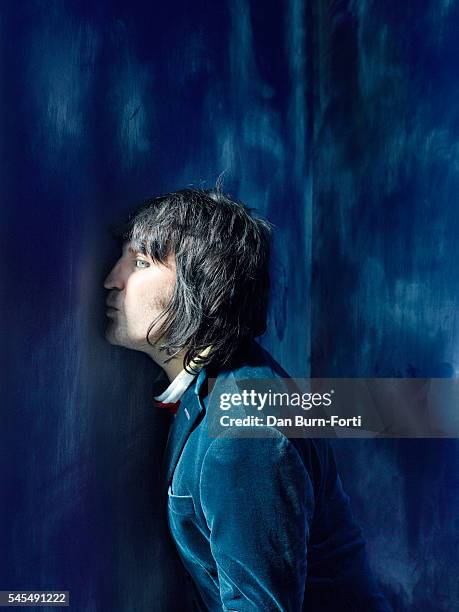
181,382
177,388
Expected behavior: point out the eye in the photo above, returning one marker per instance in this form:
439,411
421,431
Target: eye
142,263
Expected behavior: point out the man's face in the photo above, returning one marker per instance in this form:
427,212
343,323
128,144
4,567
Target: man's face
139,290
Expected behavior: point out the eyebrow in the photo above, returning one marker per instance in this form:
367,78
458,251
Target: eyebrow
137,252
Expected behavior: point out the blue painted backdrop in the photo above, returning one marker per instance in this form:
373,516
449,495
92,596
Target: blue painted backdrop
336,120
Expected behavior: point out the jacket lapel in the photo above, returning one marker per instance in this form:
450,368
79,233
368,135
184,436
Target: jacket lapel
188,413
185,419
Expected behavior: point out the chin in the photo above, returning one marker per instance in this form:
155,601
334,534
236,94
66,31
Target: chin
112,338
117,339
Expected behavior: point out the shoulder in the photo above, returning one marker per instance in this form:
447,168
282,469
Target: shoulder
253,365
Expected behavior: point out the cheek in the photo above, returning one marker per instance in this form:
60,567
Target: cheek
138,308
145,298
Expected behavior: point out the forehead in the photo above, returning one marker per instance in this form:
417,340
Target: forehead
127,248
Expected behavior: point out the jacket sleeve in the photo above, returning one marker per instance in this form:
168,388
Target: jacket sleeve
257,499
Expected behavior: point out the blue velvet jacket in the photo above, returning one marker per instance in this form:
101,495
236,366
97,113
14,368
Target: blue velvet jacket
261,523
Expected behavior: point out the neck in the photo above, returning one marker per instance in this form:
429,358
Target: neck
173,367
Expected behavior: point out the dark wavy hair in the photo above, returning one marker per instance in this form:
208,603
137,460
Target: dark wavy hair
221,251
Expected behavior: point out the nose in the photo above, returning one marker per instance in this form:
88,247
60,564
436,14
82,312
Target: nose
113,279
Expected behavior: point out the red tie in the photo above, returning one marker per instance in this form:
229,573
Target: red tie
171,406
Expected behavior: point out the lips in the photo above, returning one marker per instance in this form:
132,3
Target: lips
110,310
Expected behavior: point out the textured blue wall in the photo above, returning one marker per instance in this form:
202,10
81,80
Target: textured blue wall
385,274
338,121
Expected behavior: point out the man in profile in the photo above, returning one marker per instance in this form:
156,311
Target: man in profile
260,524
